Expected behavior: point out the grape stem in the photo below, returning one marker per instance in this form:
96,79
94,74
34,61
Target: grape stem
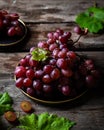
75,42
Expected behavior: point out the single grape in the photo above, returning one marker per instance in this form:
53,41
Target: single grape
62,54
23,62
43,44
67,34
55,52
39,73
52,62
56,35
61,63
20,71
37,85
78,30
19,30
11,31
19,82
50,35
27,82
30,73
63,39
46,78
53,46
71,55
55,74
27,57
66,90
30,91
47,69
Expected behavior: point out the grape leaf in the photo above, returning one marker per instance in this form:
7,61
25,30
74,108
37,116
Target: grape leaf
5,103
92,18
44,121
39,54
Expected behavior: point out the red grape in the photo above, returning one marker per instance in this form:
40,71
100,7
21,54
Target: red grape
39,73
46,78
37,84
19,82
66,90
20,71
55,74
30,91
47,69
61,63
30,73
11,31
27,82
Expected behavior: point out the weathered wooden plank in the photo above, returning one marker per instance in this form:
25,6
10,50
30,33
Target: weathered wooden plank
48,11
38,32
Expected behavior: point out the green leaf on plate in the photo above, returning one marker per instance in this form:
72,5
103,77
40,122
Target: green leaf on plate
39,54
44,121
92,18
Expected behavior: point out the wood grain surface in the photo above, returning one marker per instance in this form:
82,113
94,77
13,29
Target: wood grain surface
41,17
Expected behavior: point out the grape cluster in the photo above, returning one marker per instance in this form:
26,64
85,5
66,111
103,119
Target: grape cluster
62,74
9,24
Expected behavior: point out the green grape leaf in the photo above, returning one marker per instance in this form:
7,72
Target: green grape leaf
92,18
5,103
44,121
39,54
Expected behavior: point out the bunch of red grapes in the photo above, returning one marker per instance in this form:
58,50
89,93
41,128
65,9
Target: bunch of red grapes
9,24
63,74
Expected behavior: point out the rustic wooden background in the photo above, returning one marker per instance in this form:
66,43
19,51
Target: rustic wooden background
41,17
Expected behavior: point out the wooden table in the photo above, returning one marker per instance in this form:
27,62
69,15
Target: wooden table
42,17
